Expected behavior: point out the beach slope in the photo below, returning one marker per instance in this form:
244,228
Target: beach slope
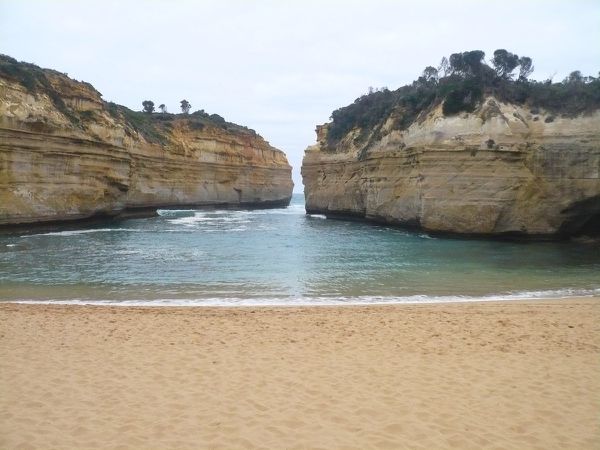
472,375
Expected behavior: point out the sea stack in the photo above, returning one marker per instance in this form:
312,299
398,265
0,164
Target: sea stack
66,154
469,159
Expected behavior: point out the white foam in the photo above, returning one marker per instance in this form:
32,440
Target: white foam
174,212
127,252
325,301
208,219
191,218
290,210
187,221
77,232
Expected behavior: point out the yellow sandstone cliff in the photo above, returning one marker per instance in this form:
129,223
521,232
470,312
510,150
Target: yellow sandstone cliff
501,169
66,154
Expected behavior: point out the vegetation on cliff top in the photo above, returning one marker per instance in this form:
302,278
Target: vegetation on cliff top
459,83
154,127
34,79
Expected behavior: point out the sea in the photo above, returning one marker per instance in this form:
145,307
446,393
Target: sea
283,257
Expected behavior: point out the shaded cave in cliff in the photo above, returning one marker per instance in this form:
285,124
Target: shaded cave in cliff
584,220
591,227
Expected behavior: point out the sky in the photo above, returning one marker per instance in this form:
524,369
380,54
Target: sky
281,67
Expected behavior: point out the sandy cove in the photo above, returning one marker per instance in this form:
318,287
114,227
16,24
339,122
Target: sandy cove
475,375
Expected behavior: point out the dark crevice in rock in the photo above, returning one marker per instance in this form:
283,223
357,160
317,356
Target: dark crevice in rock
584,218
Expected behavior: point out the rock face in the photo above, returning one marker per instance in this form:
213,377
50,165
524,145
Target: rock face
66,154
502,169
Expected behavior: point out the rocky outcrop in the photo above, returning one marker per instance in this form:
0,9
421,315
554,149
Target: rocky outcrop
66,154
500,170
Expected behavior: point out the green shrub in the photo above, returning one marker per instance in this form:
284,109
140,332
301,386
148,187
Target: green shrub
34,79
459,84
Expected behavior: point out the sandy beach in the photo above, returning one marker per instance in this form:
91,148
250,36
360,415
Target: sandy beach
520,375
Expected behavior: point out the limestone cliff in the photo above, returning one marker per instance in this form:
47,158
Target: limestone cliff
66,154
500,169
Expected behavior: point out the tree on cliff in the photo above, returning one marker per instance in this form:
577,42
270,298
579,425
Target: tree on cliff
504,63
430,75
459,84
163,108
467,64
148,106
574,77
526,68
185,106
444,67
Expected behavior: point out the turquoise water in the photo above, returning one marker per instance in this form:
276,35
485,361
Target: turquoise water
280,256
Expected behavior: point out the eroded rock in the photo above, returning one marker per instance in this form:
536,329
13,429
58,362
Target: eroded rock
499,170
66,154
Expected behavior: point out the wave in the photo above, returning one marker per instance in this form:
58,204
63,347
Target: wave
201,218
175,212
77,232
324,301
292,209
219,217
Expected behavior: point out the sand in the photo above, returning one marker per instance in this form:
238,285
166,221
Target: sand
476,375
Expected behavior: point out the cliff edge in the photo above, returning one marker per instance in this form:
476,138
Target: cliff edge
66,154
494,168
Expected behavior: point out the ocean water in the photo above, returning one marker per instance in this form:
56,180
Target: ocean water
280,257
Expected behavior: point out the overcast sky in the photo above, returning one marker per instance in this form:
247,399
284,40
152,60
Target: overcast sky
281,67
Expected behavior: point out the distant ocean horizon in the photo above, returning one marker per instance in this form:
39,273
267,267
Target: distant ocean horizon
281,257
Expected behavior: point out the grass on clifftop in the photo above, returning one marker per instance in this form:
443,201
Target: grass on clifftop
460,83
34,79
153,127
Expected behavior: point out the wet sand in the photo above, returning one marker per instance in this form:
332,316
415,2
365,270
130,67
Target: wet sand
467,376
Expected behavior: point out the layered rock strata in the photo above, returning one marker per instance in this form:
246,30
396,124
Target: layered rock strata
65,154
501,170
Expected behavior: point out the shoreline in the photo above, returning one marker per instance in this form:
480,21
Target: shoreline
522,374
240,303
